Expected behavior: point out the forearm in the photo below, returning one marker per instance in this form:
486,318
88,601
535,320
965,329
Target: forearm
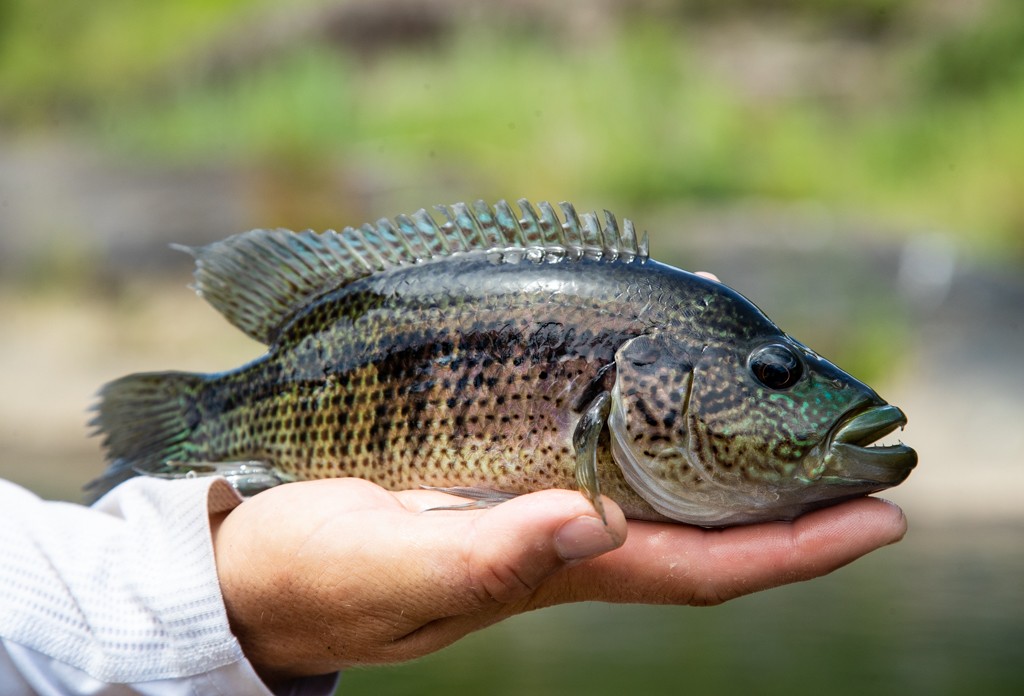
122,593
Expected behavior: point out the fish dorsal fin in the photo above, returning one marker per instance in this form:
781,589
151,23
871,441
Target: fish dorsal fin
260,278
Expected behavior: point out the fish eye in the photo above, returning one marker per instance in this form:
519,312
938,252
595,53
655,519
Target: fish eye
775,366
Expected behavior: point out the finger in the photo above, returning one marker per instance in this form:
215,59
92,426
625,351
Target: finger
502,555
709,276
534,536
676,564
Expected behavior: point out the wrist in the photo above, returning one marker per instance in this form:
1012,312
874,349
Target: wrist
241,594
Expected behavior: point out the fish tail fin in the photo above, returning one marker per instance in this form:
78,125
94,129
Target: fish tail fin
145,420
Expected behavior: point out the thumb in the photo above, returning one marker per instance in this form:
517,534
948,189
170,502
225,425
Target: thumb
514,547
504,556
490,564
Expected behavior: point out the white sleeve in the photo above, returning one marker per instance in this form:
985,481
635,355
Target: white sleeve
121,598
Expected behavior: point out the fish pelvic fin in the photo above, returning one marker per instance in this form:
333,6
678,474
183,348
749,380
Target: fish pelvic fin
585,442
260,279
480,498
145,420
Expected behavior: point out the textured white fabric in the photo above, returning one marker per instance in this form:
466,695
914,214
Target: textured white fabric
35,674
124,592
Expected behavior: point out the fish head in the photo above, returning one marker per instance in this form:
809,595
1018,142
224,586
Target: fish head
747,430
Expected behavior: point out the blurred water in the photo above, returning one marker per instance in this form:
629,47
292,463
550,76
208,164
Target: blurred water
940,613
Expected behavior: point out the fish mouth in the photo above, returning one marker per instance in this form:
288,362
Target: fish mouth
852,458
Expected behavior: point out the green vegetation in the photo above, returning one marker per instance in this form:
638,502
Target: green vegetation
927,135
58,57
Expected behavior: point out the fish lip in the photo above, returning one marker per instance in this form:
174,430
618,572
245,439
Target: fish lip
853,459
868,424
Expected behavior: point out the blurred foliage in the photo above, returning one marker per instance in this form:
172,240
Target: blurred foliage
984,57
58,57
925,133
864,17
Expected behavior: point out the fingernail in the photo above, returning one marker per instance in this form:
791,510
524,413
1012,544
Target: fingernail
903,520
583,537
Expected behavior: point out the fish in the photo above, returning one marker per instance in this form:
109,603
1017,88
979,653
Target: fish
489,353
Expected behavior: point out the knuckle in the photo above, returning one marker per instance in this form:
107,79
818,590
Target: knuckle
501,583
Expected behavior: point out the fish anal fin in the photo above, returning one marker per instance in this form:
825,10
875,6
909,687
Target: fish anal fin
246,477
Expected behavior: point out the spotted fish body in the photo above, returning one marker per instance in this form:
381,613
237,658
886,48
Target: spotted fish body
497,354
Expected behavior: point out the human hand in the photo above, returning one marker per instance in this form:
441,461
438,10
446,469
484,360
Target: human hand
321,575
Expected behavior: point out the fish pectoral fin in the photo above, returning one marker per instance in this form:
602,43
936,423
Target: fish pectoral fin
480,498
584,440
246,477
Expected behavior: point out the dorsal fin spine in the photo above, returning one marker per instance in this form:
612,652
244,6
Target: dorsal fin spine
432,235
571,228
346,241
530,224
550,226
508,222
377,247
417,233
386,228
407,229
369,246
468,224
610,232
257,261
260,279
299,243
629,236
486,224
453,229
593,239
318,249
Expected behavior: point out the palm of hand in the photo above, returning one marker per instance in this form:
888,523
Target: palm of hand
325,574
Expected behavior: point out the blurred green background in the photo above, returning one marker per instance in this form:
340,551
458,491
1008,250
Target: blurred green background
856,168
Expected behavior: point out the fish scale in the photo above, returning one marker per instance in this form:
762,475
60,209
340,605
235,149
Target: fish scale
493,354
441,408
